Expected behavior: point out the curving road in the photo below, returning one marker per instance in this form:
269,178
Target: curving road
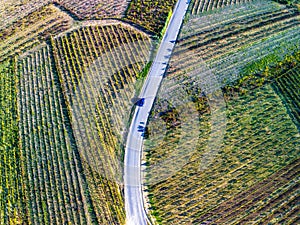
134,201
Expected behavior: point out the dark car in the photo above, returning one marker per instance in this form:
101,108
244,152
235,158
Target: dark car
141,128
141,102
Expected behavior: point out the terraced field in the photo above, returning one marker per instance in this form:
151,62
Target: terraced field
223,138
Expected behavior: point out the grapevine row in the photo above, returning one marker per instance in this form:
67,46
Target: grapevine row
11,191
55,187
98,9
98,66
142,13
200,6
48,20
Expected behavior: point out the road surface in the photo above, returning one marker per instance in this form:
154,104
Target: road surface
134,201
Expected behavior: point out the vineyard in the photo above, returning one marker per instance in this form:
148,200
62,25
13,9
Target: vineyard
56,190
288,88
94,9
223,137
257,127
32,30
200,6
228,42
222,142
74,99
13,10
98,66
11,193
66,101
141,12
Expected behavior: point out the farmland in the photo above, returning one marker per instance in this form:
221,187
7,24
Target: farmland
98,66
200,6
227,43
223,136
55,188
13,10
257,127
11,191
64,120
222,141
74,100
141,12
287,86
94,9
22,35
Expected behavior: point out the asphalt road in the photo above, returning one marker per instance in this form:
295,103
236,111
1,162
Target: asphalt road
134,201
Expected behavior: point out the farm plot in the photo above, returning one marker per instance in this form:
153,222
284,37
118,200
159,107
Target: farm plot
56,190
94,9
98,67
13,10
151,15
228,42
11,192
259,138
31,30
288,87
230,142
200,6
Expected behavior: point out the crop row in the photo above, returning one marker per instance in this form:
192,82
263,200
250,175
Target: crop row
56,190
225,66
259,117
142,13
257,126
11,193
271,191
12,11
247,29
94,9
260,127
288,87
226,16
32,29
98,66
217,41
200,6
